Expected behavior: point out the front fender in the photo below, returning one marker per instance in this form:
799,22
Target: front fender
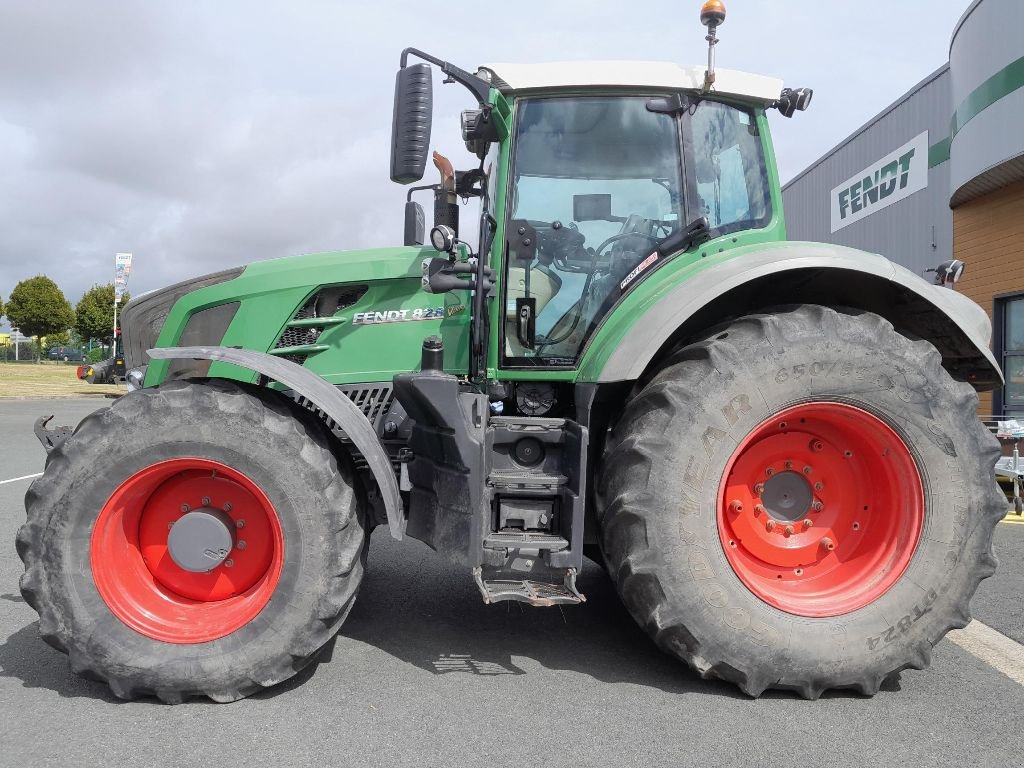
335,404
758,277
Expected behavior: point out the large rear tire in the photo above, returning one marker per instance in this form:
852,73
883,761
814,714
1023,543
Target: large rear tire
130,609
804,500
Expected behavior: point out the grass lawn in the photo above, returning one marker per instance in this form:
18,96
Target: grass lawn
49,380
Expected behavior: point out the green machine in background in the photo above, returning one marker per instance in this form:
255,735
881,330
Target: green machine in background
771,446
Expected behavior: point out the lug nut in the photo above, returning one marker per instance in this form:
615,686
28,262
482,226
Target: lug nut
227,506
241,544
228,563
828,544
184,508
787,464
807,522
817,506
769,471
759,488
735,505
770,525
239,523
816,445
206,501
807,470
818,486
788,530
758,509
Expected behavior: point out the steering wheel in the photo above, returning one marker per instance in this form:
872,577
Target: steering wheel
590,278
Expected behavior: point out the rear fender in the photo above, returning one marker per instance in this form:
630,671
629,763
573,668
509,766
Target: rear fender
799,273
334,403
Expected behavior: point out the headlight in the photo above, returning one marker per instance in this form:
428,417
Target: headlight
135,378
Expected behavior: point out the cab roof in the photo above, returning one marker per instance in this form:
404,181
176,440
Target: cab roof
510,78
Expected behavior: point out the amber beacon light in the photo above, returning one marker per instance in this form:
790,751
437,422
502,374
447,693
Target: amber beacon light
712,13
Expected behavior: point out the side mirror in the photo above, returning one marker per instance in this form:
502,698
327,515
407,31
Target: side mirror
410,126
415,223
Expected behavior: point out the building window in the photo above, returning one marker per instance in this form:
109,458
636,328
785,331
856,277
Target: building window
1010,313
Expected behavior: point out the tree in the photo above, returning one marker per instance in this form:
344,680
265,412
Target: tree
94,313
37,307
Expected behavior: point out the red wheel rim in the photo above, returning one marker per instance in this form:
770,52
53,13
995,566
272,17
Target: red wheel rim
142,584
820,509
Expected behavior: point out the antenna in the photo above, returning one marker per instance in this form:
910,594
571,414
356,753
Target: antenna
712,14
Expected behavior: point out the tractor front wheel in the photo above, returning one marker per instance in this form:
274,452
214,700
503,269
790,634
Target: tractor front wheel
195,539
804,500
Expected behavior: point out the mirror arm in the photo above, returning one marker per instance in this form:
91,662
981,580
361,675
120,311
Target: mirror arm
408,195
478,87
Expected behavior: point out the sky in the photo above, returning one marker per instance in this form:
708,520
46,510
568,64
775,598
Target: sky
201,136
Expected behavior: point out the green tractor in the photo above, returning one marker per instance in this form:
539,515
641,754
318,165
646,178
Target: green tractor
772,447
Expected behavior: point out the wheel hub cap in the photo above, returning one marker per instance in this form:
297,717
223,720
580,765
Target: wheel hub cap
201,540
787,496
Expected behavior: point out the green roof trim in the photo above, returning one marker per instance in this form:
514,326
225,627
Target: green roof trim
938,153
1002,83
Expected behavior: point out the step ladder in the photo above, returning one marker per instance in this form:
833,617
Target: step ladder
536,593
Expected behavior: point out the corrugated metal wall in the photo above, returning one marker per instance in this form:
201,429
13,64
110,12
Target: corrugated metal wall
916,232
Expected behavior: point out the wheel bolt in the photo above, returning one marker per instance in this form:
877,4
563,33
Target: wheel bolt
807,470
227,506
770,525
788,530
185,507
239,523
206,501
759,488
735,505
807,522
828,544
241,544
758,509
228,563
817,506
769,471
787,464
818,486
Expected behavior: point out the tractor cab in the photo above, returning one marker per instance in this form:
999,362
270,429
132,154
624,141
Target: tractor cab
591,176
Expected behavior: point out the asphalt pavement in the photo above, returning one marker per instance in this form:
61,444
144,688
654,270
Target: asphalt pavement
424,674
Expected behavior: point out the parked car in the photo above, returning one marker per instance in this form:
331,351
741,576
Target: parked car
65,353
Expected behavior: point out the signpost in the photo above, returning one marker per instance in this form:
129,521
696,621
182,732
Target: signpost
122,268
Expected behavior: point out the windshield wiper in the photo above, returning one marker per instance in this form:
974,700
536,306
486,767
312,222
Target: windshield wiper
697,231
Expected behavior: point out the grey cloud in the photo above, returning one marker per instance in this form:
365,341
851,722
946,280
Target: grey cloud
204,135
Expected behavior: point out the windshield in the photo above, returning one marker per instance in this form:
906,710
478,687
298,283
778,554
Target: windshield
727,180
599,178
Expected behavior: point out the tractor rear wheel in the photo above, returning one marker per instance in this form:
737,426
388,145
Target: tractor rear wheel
804,500
194,539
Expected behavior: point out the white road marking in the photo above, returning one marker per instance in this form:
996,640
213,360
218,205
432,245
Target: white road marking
994,648
23,477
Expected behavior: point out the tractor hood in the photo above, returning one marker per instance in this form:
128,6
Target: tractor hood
273,306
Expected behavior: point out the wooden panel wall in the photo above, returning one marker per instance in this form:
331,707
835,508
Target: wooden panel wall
988,236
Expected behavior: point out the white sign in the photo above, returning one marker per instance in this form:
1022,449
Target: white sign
122,268
896,176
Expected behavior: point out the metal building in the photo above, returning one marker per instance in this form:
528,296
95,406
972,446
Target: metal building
939,174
